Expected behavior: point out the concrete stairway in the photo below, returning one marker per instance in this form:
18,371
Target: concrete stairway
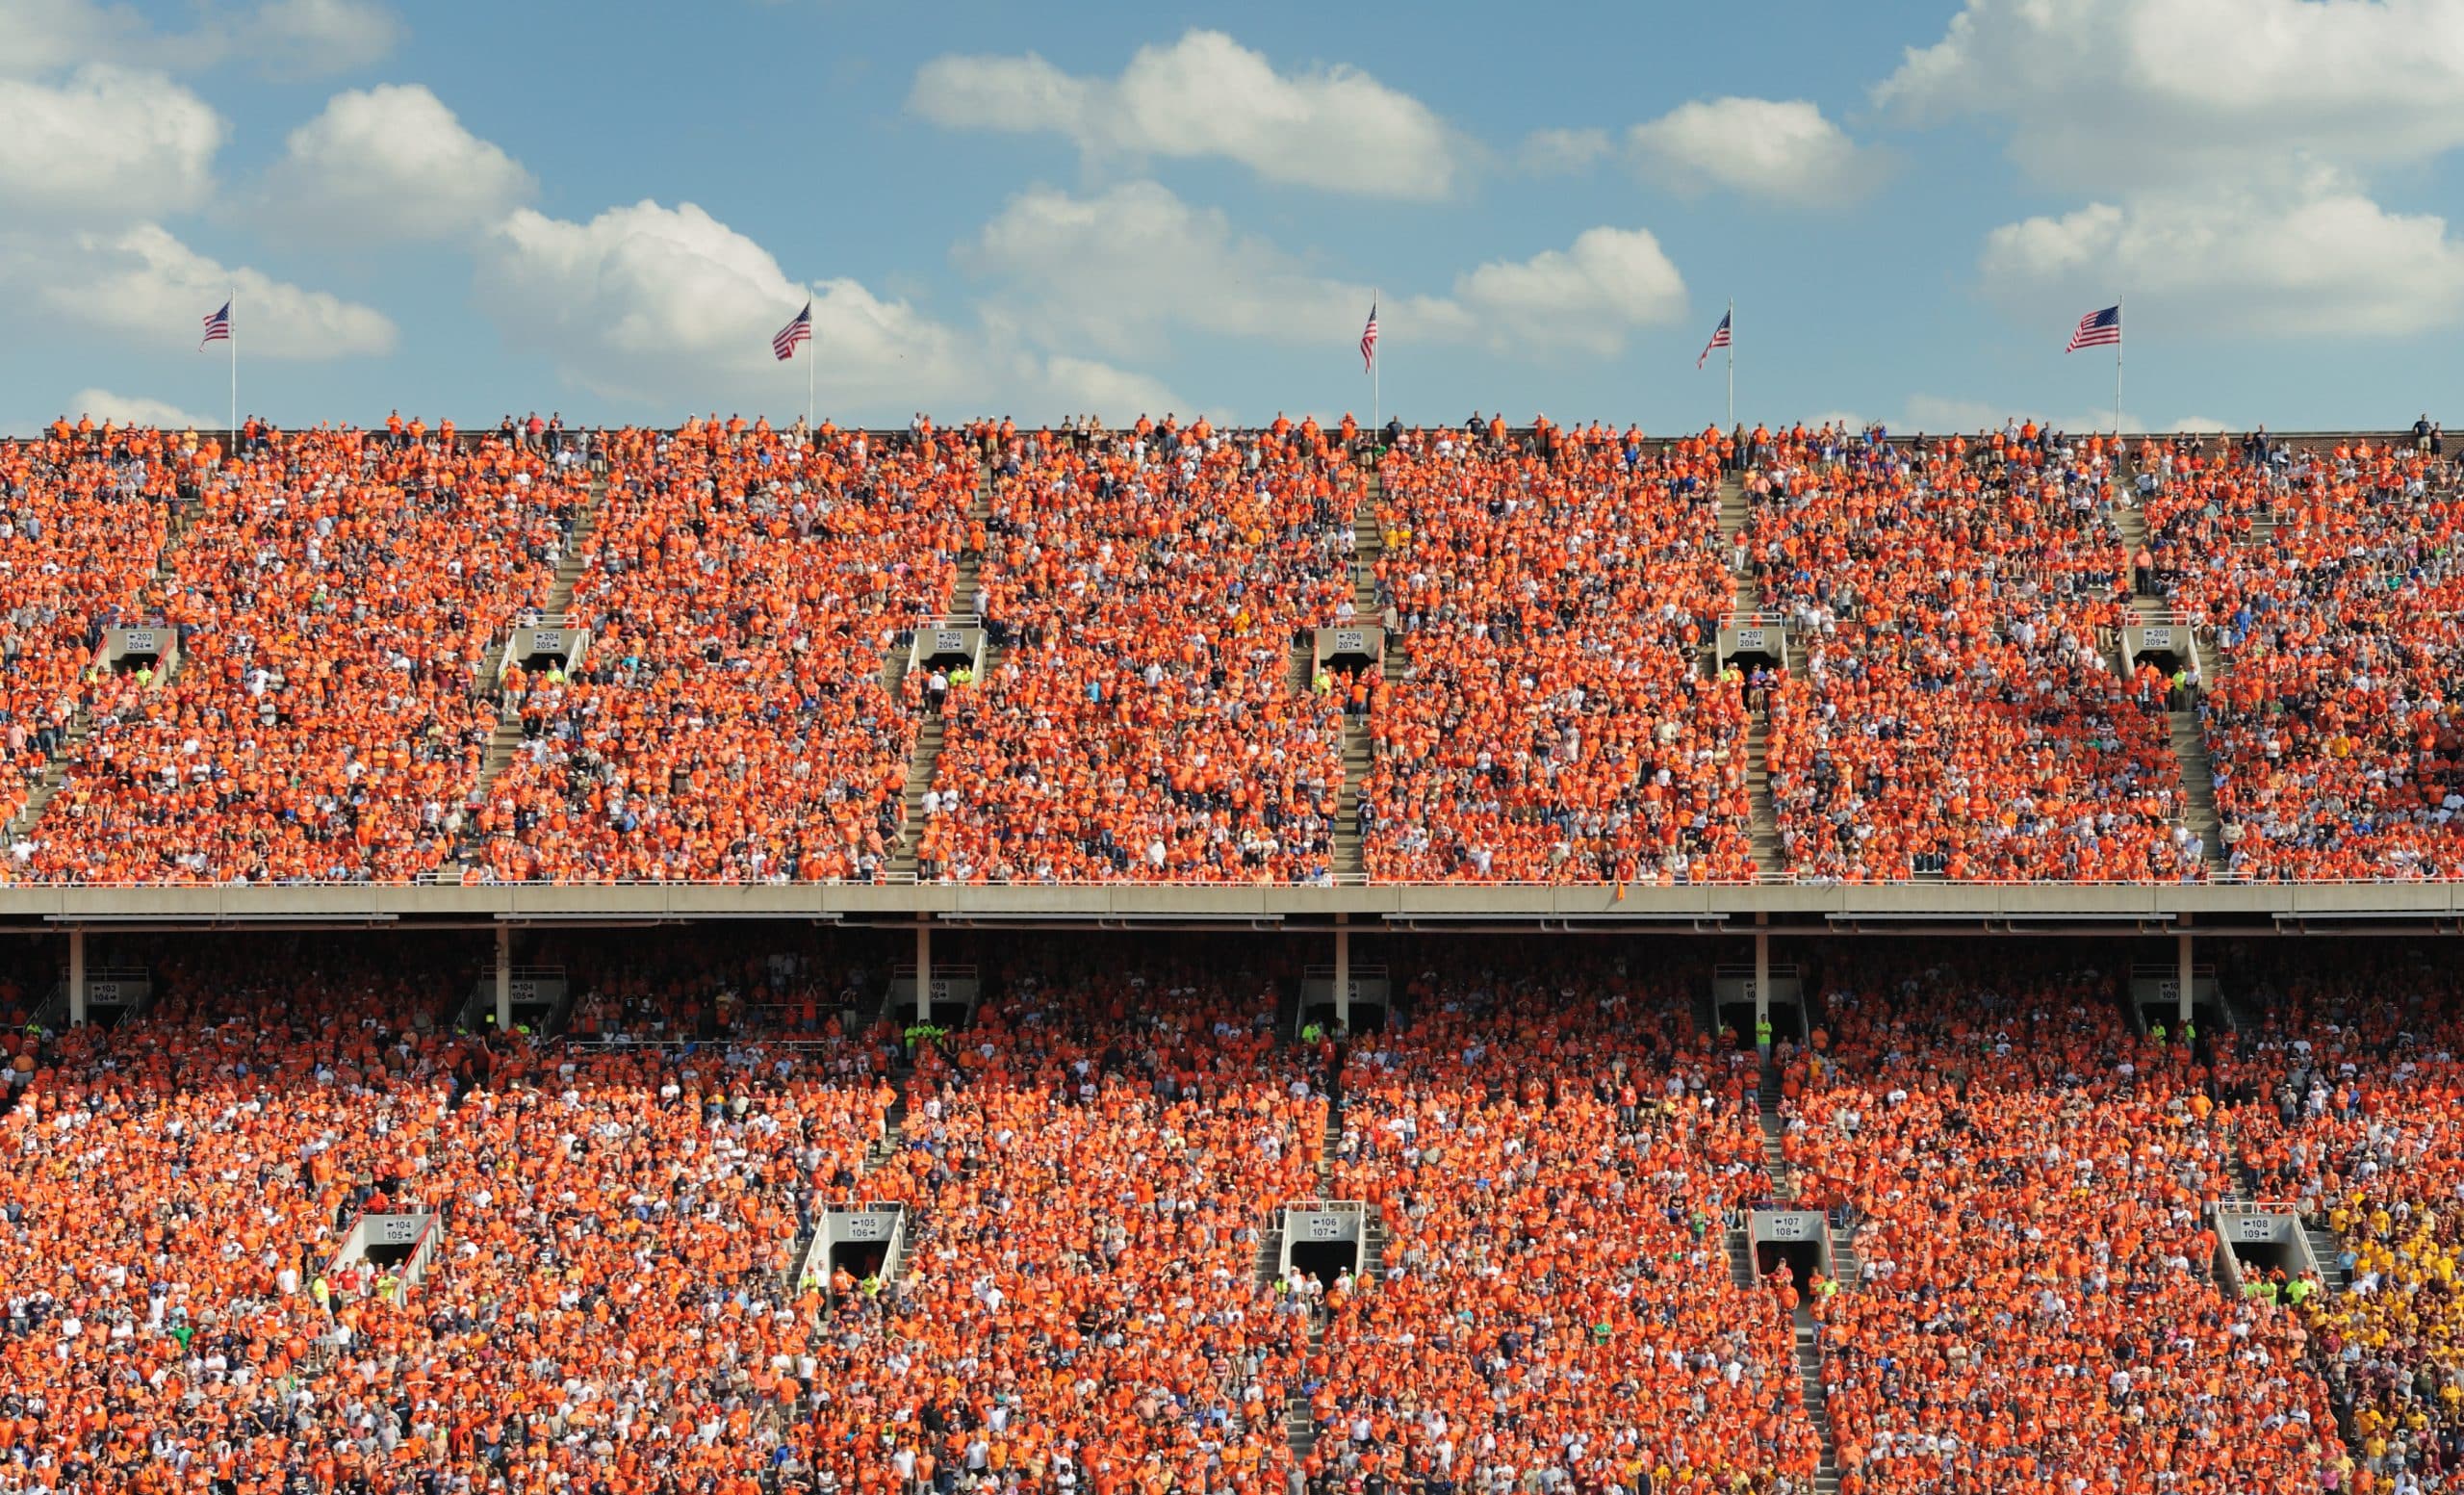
1783,1183
1368,543
930,732
1741,1259
1770,857
1733,508
55,773
505,739
1741,1266
2199,784
1745,598
2198,774
971,562
1351,856
1809,1335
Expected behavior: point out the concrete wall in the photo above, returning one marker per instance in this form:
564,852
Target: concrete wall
1872,908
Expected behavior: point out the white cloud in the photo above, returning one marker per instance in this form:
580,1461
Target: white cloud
1115,269
1781,150
1611,281
390,163
1940,415
1335,128
134,410
2109,93
1100,388
312,37
632,301
671,309
286,37
47,35
1561,152
2319,257
108,143
1119,269
151,289
1937,415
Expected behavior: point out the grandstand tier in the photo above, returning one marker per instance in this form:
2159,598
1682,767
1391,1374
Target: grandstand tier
726,1208
1175,672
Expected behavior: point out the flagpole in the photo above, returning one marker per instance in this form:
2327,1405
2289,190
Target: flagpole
1377,370
231,335
1732,322
812,361
2120,327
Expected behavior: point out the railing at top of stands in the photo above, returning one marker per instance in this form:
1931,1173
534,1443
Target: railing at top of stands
468,439
1339,880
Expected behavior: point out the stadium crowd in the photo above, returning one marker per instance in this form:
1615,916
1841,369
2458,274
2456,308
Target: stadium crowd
333,596
1147,589
1552,1149
2037,1308
611,1307
1956,712
2336,715
1552,1152
742,589
2349,1104
1148,715
84,516
1552,722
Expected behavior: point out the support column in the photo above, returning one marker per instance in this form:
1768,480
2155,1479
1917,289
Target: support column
923,969
505,978
1343,974
1762,978
76,978
2183,994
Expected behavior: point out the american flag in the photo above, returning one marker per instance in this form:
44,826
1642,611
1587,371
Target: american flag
1369,341
2097,329
797,331
1719,339
217,327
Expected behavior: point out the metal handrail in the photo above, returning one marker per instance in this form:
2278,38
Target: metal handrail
1339,880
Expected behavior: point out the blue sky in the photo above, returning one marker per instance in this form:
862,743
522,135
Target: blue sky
464,210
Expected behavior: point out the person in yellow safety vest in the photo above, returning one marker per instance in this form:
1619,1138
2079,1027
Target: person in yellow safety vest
1762,1037
872,1284
2157,1033
389,1288
1323,682
323,1292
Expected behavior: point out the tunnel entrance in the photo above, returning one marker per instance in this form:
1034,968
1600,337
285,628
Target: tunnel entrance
1327,1260
858,1259
1802,1257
